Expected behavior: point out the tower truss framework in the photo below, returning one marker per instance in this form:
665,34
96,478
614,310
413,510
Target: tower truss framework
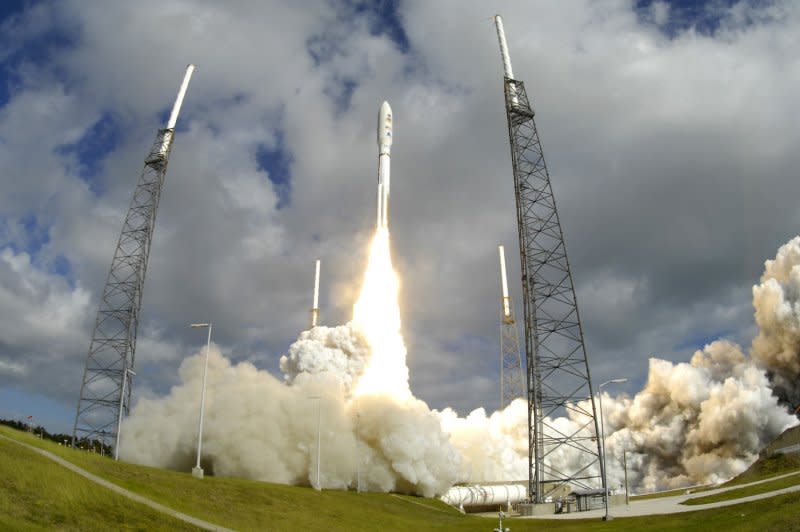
512,380
107,376
558,378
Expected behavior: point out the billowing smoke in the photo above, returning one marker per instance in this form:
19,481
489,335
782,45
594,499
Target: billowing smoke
695,422
776,348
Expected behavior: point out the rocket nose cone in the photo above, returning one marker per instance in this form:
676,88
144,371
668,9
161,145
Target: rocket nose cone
385,127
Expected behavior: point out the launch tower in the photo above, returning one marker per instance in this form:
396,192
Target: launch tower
557,368
106,387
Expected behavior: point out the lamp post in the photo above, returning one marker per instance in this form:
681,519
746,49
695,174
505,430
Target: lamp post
625,468
319,417
125,374
606,517
197,471
358,457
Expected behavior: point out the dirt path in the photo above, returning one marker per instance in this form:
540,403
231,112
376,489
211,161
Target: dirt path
122,491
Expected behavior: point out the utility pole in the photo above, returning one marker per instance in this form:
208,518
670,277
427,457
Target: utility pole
625,469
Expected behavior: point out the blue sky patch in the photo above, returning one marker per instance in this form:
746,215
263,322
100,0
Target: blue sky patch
704,16
699,341
341,92
384,19
36,50
92,148
36,235
276,162
54,415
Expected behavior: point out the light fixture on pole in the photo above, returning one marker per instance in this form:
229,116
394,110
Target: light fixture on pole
319,418
606,517
358,457
197,471
128,371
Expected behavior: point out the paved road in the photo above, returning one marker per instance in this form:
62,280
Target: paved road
122,491
671,505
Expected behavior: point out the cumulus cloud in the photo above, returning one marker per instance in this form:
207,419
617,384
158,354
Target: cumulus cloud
669,199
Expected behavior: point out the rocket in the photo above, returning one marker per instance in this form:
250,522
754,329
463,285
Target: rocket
384,160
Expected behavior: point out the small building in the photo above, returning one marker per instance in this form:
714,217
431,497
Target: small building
588,499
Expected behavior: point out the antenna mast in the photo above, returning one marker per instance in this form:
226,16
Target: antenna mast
512,383
315,308
558,376
107,376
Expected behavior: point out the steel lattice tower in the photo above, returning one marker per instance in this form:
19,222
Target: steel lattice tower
558,376
106,387
512,382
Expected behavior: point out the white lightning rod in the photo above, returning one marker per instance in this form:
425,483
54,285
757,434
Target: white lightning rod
504,283
315,309
176,109
507,70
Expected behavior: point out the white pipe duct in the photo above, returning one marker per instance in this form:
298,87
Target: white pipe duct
464,496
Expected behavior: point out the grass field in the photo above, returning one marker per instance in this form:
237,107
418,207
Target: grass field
672,493
37,494
746,491
250,505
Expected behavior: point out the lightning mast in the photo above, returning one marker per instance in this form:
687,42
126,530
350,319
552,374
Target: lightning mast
512,384
315,308
558,376
107,376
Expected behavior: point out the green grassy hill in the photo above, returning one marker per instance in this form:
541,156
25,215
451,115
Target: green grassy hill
36,493
766,467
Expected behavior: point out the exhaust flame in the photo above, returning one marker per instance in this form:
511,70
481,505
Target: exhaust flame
377,313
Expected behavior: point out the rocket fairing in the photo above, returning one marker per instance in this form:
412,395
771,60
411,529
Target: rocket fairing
384,161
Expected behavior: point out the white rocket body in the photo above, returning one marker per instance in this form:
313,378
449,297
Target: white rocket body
384,162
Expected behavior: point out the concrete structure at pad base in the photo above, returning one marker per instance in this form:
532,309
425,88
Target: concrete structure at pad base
530,508
568,500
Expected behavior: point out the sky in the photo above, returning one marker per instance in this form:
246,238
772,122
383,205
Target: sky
669,129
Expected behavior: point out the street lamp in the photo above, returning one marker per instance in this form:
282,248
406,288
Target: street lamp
197,471
319,416
128,371
606,517
358,457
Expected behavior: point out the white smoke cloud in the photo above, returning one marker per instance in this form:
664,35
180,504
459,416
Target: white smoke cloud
257,427
693,423
777,304
696,422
